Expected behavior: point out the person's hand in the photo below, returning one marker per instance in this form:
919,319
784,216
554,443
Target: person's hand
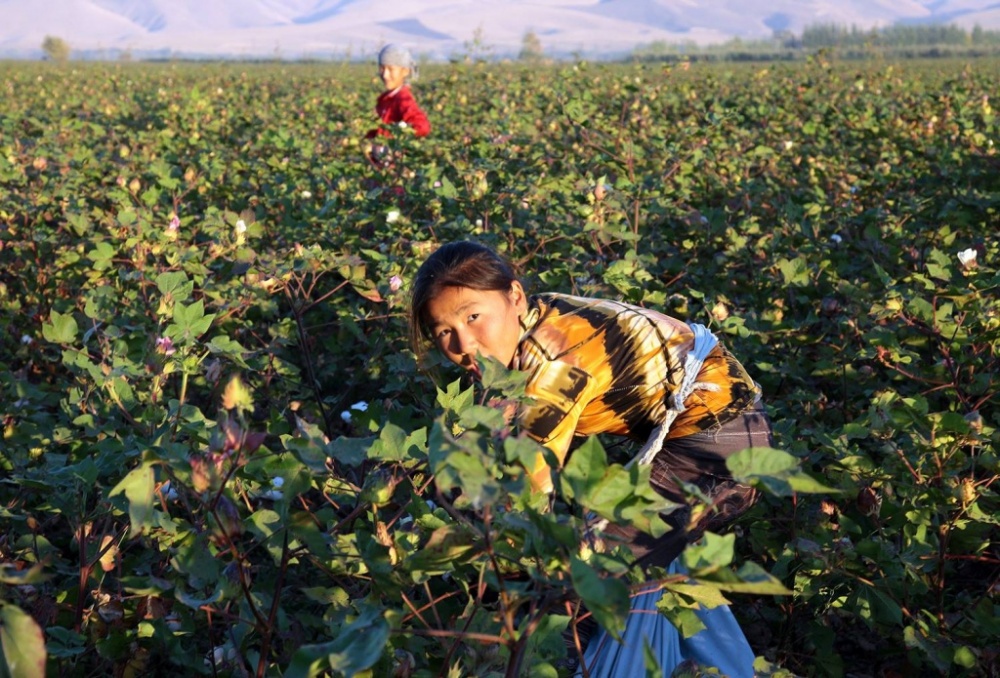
507,407
380,155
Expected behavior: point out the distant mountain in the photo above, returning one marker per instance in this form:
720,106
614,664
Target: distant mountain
436,29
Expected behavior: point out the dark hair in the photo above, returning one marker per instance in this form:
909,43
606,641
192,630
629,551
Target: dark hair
456,264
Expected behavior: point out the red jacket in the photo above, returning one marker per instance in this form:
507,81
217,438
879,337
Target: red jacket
400,106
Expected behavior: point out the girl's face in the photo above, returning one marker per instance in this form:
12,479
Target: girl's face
393,76
466,322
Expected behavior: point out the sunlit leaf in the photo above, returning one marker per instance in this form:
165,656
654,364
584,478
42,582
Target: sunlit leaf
137,486
23,643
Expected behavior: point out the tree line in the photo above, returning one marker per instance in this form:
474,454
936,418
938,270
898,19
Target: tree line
818,36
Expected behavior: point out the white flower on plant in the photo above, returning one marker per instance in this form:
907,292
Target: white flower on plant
241,232
789,145
307,194
836,239
437,184
402,124
395,282
26,339
479,223
392,217
275,493
360,406
967,258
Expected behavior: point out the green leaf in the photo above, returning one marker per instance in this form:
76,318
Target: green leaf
579,111
708,563
394,444
498,377
613,492
935,650
965,657
347,451
684,618
795,272
63,642
455,398
190,320
61,329
546,641
358,646
138,489
11,575
265,524
23,643
463,462
710,554
607,598
939,265
877,607
447,548
121,391
102,254
705,595
196,602
481,415
775,470
232,349
649,659
447,189
176,284
79,223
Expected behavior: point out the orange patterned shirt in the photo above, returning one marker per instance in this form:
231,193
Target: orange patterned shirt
601,366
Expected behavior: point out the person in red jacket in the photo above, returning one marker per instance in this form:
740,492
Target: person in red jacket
396,105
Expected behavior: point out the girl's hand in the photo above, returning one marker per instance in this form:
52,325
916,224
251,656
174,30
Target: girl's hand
508,407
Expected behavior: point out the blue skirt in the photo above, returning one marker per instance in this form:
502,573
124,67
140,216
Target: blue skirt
721,644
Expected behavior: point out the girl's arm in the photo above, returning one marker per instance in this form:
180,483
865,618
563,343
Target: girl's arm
560,392
414,116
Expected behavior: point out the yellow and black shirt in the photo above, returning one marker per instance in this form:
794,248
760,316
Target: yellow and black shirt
600,366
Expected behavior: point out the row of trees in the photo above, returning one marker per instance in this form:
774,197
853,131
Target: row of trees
818,36
57,49
900,40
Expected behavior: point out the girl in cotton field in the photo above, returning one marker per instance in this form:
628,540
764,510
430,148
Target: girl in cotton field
599,366
396,104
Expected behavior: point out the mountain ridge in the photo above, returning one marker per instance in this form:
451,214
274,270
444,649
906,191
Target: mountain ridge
438,29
